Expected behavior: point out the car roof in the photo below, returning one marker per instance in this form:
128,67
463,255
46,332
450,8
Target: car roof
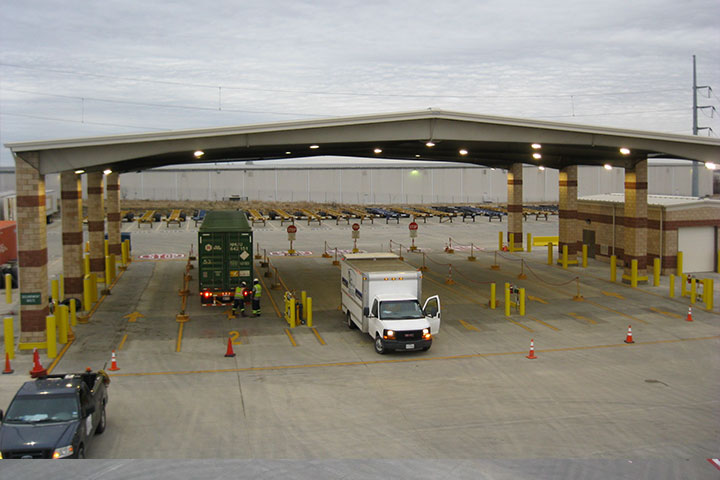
55,385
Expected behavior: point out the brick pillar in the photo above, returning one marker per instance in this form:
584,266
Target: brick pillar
96,223
72,233
567,213
635,221
32,248
515,204
113,213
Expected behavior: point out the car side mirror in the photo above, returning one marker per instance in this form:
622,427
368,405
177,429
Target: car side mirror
366,311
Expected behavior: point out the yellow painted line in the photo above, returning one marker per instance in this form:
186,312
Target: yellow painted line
122,342
543,323
468,326
60,355
416,359
519,324
537,299
317,335
669,314
616,311
580,317
132,317
613,294
179,339
290,336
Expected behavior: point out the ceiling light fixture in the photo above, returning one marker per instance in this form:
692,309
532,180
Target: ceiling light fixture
378,150
537,156
463,151
430,144
288,153
536,146
198,153
625,151
314,146
79,172
710,165
107,171
607,166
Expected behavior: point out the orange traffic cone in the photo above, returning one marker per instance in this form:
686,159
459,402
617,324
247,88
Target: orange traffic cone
37,370
230,352
113,363
629,339
689,317
7,364
532,356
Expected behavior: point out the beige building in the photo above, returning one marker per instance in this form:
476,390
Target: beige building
686,224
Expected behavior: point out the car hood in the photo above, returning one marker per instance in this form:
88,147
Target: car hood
35,436
410,324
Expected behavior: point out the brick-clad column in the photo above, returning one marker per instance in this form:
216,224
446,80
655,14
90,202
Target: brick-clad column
32,248
567,212
72,234
635,221
96,223
515,204
113,213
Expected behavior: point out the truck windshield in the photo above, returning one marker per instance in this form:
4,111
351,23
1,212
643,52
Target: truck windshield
42,409
400,310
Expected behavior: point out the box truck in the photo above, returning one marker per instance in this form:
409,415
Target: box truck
381,296
225,256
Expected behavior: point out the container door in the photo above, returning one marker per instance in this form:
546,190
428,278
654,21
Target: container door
239,258
212,261
432,312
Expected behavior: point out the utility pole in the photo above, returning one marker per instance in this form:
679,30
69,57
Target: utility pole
696,129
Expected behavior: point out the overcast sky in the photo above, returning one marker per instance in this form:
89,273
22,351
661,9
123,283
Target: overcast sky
74,68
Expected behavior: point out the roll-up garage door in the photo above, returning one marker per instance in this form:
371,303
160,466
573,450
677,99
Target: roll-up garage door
698,247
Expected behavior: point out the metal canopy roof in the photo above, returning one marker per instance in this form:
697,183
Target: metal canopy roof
488,140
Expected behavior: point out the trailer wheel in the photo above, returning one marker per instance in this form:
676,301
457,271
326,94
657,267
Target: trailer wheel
351,325
379,347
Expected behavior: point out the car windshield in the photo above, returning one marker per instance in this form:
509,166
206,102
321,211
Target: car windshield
400,310
42,409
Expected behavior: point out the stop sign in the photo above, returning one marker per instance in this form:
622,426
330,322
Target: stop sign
356,226
413,226
292,229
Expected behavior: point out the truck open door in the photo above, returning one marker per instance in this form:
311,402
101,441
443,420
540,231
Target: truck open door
432,312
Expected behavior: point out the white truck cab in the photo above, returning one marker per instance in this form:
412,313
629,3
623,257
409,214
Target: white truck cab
381,296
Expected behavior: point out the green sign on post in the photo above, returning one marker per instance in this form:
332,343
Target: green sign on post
34,298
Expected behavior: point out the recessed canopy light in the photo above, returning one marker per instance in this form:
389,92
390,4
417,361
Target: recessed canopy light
79,172
607,166
625,151
417,156
378,150
288,153
463,151
198,153
541,167
107,171
710,165
314,146
430,143
537,156
536,146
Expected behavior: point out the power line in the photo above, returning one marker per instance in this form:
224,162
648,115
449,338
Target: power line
68,120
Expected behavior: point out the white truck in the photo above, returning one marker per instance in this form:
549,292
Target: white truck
381,296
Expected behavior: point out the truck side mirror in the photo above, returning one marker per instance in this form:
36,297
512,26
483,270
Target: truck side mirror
366,311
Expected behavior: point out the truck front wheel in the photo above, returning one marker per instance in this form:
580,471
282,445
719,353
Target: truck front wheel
379,346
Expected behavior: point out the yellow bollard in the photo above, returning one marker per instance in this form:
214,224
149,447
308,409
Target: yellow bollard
62,323
633,273
124,254
129,257
500,240
73,313
683,285
565,257
584,256
87,292
613,268
679,263
693,290
108,272
113,266
521,292
61,293
292,312
529,242
87,247
550,253
511,242
672,286
55,289
507,299
709,293
308,315
717,270
9,337
86,264
656,272
303,302
8,288
492,296
51,336
107,248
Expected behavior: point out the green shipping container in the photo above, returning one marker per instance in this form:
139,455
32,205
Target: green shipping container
225,255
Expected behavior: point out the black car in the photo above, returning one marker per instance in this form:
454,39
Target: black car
55,416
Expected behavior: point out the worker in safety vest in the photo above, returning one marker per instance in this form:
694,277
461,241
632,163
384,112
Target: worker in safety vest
238,299
257,293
